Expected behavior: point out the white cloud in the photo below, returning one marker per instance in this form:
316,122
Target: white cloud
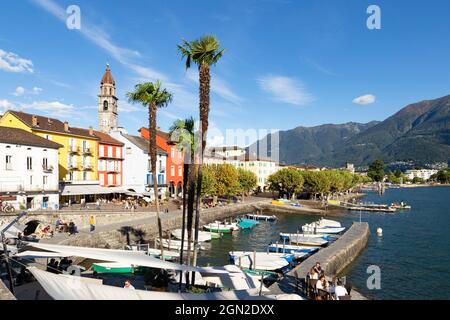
285,89
37,90
127,108
11,62
6,105
365,100
52,108
19,91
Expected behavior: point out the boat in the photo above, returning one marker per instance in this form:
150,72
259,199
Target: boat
262,261
326,223
287,236
311,228
307,241
262,217
202,235
298,251
220,227
247,223
145,248
112,267
400,206
173,244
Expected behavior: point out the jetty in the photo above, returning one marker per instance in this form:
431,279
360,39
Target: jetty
333,259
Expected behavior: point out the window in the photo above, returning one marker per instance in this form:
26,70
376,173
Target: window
180,171
110,152
172,153
172,171
85,175
44,163
44,180
48,137
105,105
70,176
128,150
8,162
29,163
31,180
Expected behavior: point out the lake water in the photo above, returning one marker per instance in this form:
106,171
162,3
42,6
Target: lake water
413,254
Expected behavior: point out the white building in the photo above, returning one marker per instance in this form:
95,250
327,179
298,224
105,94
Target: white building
424,174
137,167
262,167
28,170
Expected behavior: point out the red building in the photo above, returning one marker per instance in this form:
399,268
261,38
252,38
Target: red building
110,160
175,157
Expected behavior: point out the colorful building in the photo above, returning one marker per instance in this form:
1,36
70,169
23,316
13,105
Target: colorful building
28,170
78,156
175,159
110,160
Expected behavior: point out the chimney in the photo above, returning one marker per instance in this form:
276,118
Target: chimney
91,131
66,126
34,121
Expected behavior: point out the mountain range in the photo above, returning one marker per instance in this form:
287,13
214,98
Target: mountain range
419,132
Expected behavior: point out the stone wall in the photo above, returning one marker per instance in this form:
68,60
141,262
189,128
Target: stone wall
333,259
5,294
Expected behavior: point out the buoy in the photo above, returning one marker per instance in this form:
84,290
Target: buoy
379,232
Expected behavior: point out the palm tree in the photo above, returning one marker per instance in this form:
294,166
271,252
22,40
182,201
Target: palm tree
204,52
151,95
182,132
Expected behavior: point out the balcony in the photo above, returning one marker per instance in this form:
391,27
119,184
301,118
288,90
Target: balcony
112,170
74,149
73,166
48,169
87,167
87,151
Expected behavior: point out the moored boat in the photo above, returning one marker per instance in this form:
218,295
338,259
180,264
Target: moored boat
262,261
220,227
311,228
247,223
202,235
173,244
299,251
307,241
262,217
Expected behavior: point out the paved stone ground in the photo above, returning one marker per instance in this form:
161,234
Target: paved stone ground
333,259
5,294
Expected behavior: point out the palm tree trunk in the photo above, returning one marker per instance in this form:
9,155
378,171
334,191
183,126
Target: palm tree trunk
152,149
204,81
183,223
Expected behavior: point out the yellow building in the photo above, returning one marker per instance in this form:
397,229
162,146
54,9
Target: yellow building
79,156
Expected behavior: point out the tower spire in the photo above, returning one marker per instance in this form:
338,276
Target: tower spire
107,103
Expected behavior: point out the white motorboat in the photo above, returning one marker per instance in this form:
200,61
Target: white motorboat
263,261
220,227
202,235
326,223
313,229
299,251
262,217
306,240
173,244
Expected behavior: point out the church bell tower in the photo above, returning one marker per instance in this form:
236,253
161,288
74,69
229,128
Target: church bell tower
107,103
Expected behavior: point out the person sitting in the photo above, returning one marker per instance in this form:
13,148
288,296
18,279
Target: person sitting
318,268
340,290
64,264
322,283
72,228
51,265
128,285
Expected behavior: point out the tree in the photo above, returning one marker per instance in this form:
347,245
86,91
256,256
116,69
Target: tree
227,180
182,132
209,187
318,182
376,171
417,180
152,96
247,180
286,181
204,52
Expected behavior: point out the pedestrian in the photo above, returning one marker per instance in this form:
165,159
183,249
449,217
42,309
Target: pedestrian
91,224
128,285
97,205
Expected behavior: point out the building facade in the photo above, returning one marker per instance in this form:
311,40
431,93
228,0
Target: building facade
137,174
78,156
110,160
424,174
174,163
29,177
107,103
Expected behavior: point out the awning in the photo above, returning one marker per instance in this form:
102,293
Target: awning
65,287
76,190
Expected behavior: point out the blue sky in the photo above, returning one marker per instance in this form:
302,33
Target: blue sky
287,63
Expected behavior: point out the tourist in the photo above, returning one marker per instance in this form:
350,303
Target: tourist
318,268
313,275
64,264
72,228
128,285
51,265
322,283
97,205
340,290
91,224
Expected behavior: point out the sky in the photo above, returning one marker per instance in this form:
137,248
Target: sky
286,64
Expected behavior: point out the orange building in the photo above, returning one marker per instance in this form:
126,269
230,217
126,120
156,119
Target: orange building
175,157
110,160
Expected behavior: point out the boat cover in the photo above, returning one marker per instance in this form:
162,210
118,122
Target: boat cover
136,258
65,287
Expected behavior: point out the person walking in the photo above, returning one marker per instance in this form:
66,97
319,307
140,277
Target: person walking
91,224
97,204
